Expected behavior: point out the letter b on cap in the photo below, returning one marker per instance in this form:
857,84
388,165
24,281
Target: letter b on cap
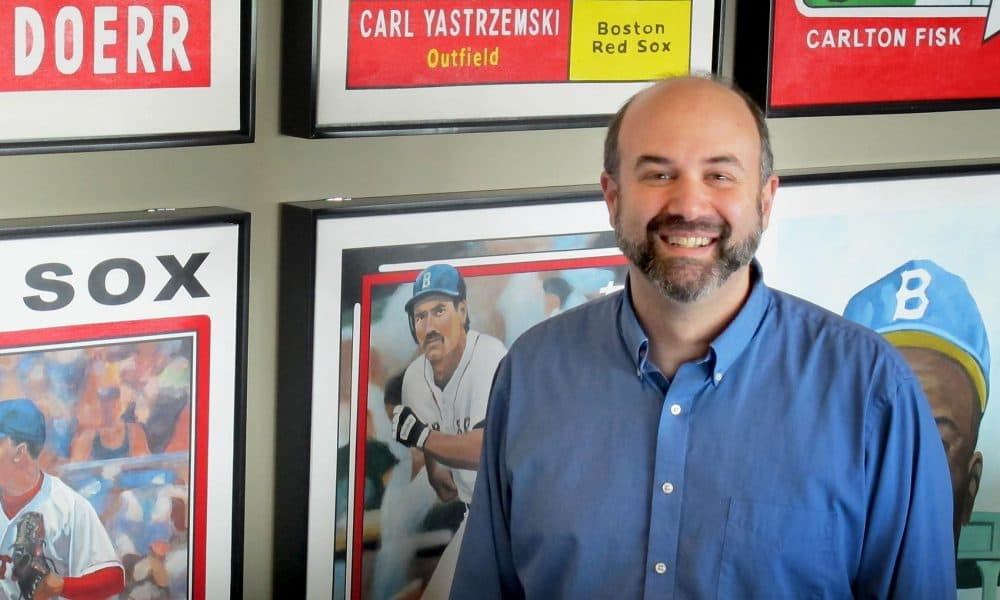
912,302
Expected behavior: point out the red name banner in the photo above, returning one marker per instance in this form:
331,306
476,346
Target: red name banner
406,43
104,44
852,58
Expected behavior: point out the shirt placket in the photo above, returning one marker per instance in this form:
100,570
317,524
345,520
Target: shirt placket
668,482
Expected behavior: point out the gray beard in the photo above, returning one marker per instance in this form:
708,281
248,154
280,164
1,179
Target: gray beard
668,274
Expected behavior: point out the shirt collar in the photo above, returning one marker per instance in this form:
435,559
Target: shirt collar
735,337
725,348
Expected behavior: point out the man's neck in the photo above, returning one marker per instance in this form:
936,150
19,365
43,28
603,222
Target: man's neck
17,494
680,332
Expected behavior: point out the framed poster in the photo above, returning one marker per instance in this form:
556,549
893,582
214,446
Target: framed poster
376,67
89,75
368,513
122,369
911,256
829,57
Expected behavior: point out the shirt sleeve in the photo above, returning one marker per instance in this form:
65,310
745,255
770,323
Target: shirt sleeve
485,566
98,585
908,549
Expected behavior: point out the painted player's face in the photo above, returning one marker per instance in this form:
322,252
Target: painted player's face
955,406
9,456
440,327
687,204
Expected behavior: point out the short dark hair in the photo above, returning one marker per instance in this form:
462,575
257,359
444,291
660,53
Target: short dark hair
612,154
34,446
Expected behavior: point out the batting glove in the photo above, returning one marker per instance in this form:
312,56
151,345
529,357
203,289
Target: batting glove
408,429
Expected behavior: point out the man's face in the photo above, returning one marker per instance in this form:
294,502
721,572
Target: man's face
687,205
955,406
7,453
440,327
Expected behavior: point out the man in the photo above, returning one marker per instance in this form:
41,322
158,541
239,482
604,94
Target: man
699,435
928,313
445,391
83,562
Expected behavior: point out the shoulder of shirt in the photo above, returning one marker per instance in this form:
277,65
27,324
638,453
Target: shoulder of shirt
484,340
61,491
863,342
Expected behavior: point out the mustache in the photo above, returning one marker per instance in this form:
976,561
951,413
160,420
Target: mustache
676,223
432,336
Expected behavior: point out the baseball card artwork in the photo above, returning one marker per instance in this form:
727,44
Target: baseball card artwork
414,304
910,258
459,321
119,396
75,74
869,56
403,66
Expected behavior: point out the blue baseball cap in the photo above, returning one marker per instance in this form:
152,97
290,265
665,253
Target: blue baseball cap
920,304
437,279
21,419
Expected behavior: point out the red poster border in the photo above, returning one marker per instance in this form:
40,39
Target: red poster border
401,277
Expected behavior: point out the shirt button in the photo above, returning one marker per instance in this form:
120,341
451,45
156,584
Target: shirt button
660,568
668,488
718,377
675,409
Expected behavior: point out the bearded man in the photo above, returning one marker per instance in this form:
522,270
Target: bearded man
700,435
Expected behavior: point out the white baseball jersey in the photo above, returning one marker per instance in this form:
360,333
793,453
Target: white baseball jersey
461,405
75,539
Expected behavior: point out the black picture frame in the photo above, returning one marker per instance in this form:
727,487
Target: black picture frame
866,91
81,288
324,270
303,77
232,103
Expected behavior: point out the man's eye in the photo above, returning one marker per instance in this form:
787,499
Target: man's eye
656,176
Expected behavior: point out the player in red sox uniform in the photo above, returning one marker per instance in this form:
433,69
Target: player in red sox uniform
82,560
445,393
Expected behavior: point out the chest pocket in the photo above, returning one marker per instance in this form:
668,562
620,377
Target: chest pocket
775,552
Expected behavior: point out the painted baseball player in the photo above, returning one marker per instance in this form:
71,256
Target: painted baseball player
928,313
445,393
81,560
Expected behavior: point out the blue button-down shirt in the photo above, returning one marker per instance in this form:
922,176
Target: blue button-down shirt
796,459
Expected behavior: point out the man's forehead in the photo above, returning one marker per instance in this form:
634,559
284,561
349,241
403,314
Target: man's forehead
942,377
689,106
693,91
431,301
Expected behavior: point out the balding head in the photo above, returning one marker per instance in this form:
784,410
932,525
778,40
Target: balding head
689,86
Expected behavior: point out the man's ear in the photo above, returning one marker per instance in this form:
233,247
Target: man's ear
610,189
767,192
972,487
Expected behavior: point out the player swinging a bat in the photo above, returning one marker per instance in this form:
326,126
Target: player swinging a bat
52,543
445,393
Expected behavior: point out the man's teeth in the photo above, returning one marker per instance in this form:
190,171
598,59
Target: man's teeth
688,242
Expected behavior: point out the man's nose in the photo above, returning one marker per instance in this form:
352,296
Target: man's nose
688,198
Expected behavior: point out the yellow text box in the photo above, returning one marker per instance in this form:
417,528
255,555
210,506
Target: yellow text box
629,40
